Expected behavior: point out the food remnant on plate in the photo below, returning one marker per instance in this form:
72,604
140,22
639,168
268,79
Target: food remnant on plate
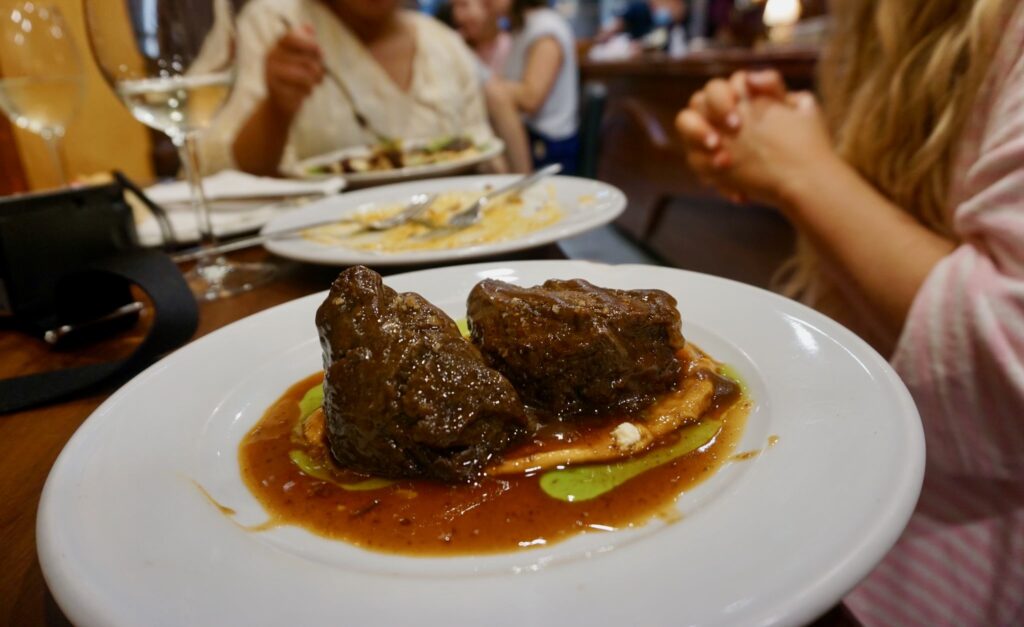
505,218
747,455
398,155
224,509
439,453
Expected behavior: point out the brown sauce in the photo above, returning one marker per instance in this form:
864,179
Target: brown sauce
224,509
424,518
745,455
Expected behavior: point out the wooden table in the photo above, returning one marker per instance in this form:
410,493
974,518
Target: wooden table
31,440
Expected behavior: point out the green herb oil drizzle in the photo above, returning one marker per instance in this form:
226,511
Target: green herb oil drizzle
582,483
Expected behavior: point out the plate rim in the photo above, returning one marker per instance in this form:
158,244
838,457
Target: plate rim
541,237
493,148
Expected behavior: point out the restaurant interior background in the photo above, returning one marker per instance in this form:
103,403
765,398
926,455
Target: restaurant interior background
643,95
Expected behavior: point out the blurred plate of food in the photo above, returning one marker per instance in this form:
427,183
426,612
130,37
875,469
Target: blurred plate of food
401,160
147,517
553,209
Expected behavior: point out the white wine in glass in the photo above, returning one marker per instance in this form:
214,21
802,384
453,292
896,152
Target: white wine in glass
172,63
176,105
41,75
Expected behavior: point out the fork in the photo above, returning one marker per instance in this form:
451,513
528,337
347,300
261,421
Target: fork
418,204
471,214
361,119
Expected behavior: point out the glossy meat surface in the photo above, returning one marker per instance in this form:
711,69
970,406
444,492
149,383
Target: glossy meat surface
405,395
571,348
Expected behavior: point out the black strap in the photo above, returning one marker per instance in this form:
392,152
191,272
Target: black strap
175,319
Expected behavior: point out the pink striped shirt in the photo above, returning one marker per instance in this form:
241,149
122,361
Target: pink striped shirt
961,559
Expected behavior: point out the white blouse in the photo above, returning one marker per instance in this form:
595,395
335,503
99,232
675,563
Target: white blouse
558,117
444,96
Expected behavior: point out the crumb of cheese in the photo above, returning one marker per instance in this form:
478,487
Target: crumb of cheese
626,435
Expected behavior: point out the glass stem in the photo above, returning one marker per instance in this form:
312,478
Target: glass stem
53,143
188,152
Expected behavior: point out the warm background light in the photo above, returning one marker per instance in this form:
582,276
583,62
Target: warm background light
781,12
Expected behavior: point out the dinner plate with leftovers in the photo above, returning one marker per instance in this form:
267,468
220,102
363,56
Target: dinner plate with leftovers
402,159
555,208
507,444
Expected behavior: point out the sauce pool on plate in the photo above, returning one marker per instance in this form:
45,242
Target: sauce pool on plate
497,514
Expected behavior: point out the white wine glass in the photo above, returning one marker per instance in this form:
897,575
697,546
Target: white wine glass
172,62
41,75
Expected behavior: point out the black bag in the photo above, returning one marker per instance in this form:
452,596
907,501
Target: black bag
44,237
72,256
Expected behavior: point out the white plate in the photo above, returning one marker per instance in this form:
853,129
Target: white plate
126,538
488,149
586,204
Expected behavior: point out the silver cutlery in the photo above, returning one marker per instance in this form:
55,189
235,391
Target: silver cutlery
361,120
471,214
53,336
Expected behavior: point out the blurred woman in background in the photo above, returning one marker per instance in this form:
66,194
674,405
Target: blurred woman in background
909,194
479,27
473,20
309,70
542,76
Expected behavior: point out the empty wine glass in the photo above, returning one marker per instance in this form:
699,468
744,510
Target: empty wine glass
172,62
41,76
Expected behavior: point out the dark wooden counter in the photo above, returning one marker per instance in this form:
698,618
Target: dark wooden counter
794,62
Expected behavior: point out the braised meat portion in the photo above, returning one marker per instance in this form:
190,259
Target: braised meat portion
404,394
572,348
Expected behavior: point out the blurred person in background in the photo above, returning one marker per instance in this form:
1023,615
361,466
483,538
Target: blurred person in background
641,19
473,20
542,76
908,191
479,27
408,75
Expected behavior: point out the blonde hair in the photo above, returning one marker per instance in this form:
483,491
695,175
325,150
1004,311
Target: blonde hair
898,80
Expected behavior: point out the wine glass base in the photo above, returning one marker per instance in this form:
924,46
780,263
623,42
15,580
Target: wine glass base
222,278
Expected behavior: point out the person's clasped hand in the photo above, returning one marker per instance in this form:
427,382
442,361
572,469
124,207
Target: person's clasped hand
294,67
752,139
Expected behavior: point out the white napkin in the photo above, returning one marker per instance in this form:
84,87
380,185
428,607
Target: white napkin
224,223
239,203
234,185
617,48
